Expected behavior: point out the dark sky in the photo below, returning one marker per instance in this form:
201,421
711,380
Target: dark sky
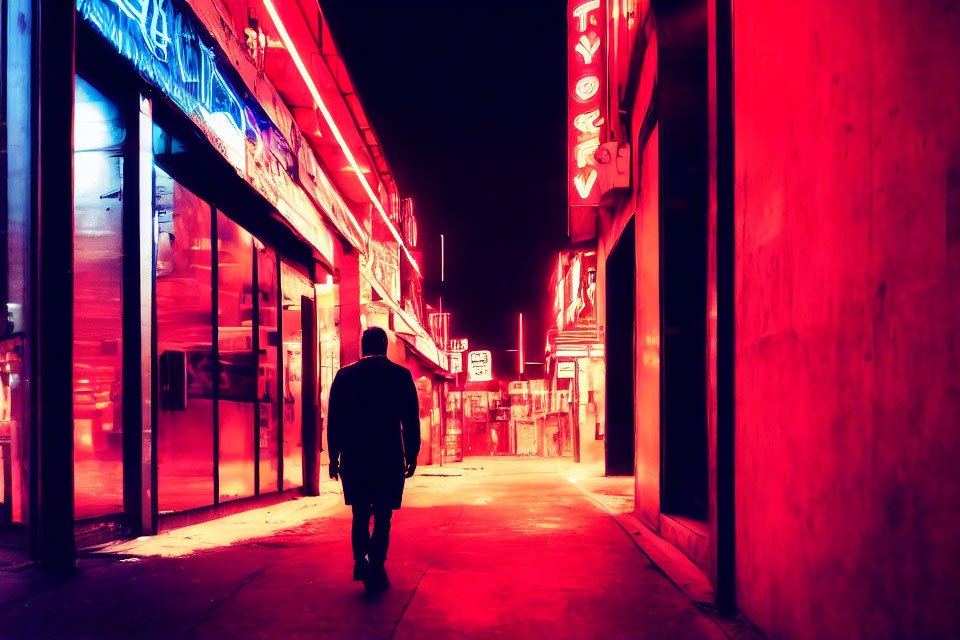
469,102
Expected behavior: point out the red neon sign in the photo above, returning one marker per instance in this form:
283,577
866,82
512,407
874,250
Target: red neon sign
585,21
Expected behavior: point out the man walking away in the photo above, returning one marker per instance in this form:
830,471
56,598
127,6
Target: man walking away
373,437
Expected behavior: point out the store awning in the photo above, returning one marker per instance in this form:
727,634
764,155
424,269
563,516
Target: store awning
427,351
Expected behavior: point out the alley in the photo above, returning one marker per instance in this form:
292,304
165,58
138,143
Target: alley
508,549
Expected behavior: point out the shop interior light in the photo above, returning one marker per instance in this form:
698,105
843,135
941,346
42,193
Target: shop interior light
315,93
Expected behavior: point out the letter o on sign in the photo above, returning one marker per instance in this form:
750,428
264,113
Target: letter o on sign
586,88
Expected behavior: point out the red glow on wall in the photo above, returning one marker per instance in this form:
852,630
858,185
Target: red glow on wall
585,73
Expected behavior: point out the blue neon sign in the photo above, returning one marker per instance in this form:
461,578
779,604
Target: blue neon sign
163,44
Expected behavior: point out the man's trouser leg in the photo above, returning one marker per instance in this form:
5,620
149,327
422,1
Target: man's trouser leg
381,534
360,533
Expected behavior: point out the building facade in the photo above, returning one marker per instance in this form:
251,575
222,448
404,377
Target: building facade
771,192
198,224
575,363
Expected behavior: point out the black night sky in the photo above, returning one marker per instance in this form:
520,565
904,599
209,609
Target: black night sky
469,101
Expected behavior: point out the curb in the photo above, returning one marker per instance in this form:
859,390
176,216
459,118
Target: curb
678,569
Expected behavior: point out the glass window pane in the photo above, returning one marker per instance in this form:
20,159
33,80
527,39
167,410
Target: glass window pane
327,302
184,347
267,380
238,385
97,305
293,286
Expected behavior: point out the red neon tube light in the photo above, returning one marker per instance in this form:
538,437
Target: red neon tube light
312,88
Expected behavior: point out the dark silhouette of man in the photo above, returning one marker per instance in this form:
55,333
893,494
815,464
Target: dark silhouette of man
373,437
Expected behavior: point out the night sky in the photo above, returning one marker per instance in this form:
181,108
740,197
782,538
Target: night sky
469,101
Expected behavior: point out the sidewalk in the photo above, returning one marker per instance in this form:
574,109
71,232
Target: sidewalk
501,547
616,496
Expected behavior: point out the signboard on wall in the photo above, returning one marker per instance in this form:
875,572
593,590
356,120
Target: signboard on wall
458,345
585,122
566,370
480,366
456,362
164,42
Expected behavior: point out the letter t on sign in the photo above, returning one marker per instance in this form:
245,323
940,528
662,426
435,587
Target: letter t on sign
583,10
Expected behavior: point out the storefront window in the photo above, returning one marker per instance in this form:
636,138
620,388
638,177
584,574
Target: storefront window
237,377
17,84
11,425
327,304
294,286
185,348
267,380
97,305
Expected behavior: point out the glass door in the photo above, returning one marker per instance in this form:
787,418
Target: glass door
236,463
294,286
184,300
268,381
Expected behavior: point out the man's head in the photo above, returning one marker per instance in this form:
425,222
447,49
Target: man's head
374,342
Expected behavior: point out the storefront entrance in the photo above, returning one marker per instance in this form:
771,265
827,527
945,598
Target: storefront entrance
233,340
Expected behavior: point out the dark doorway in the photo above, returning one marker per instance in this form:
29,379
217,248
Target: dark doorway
683,277
620,349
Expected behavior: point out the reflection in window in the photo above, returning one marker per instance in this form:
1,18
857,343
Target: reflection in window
294,285
238,385
267,380
97,305
184,347
327,302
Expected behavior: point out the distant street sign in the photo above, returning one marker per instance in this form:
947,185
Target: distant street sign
456,362
458,345
480,366
566,369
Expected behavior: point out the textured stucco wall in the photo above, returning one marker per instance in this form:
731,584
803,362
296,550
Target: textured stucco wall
847,118
647,340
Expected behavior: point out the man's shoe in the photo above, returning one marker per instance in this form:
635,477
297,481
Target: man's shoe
360,569
376,579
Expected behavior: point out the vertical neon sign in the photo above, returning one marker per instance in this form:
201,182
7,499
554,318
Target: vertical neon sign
585,72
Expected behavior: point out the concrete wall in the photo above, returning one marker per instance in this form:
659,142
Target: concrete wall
647,342
847,118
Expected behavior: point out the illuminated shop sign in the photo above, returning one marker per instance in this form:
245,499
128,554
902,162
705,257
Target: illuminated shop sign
480,366
458,345
164,44
456,362
161,41
585,61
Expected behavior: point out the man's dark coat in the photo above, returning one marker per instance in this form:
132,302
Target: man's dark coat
374,427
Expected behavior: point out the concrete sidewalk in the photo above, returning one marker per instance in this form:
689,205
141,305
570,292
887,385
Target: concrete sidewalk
492,548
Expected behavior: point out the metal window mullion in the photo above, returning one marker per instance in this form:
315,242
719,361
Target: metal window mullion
256,365
147,316
215,347
280,365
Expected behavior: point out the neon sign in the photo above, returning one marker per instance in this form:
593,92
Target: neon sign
164,46
458,345
585,73
585,102
480,366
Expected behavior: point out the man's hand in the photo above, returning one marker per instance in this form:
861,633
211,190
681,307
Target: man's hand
334,470
411,467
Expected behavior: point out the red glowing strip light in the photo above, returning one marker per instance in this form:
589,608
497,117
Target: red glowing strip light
312,88
520,346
